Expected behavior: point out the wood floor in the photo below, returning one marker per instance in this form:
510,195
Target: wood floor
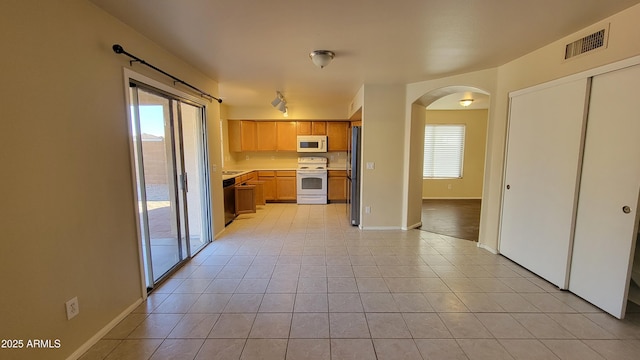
456,218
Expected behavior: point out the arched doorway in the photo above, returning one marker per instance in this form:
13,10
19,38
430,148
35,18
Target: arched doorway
449,202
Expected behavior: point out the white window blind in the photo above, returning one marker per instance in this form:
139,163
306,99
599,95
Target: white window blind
443,151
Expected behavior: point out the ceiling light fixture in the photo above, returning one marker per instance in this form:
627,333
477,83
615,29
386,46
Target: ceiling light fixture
466,102
280,103
279,98
321,58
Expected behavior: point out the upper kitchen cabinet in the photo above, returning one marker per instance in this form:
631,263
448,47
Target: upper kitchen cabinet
286,136
312,128
337,132
266,135
242,135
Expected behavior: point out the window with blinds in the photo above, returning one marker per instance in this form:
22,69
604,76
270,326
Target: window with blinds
443,151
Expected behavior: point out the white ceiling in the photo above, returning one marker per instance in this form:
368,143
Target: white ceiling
253,47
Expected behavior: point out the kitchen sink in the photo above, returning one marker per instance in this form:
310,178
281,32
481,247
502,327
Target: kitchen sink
231,172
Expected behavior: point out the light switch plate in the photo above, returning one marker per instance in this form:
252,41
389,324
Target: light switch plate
371,165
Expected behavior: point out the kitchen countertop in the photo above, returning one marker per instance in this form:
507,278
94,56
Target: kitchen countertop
245,171
239,172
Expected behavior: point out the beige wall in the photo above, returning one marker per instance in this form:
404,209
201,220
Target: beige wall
382,144
295,113
470,185
540,66
67,212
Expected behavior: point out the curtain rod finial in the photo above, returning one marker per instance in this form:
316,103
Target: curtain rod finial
117,49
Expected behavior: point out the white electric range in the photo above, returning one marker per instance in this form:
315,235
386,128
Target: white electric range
312,180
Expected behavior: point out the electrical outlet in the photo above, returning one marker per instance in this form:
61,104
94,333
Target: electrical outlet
367,209
449,187
214,167
73,308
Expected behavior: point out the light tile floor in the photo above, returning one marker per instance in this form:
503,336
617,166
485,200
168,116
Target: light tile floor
297,282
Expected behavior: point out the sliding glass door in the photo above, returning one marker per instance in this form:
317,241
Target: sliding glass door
171,177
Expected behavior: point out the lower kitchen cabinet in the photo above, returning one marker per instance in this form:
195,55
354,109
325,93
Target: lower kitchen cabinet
245,199
337,185
286,185
269,187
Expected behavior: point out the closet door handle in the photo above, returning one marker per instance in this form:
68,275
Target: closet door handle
626,209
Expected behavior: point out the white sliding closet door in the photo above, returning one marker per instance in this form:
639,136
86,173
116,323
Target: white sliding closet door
541,174
605,234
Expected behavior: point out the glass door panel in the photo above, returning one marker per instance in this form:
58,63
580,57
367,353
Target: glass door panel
157,185
169,137
191,119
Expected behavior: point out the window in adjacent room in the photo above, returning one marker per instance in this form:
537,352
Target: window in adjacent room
443,151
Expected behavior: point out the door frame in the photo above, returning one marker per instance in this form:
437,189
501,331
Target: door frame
129,75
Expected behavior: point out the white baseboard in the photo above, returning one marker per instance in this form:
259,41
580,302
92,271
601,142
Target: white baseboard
452,198
100,334
381,228
217,236
414,226
488,248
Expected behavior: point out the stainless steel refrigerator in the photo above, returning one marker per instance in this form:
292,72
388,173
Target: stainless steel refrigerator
353,175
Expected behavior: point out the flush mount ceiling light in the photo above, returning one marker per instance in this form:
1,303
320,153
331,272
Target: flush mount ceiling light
466,102
321,58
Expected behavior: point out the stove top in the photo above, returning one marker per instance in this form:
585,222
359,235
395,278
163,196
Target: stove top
312,163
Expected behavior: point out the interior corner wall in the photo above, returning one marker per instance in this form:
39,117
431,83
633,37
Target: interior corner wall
67,214
540,66
383,146
469,186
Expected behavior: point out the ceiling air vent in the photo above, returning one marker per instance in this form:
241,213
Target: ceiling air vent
588,43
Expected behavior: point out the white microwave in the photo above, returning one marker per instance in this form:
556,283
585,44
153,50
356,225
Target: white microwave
312,143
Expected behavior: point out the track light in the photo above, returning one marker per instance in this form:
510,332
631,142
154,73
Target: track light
279,98
280,103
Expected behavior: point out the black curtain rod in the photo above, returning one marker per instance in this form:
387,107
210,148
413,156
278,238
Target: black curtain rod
119,50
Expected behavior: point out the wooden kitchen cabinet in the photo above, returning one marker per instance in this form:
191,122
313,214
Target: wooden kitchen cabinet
337,185
259,190
278,185
269,187
312,128
245,199
286,139
266,135
286,186
242,135
337,132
